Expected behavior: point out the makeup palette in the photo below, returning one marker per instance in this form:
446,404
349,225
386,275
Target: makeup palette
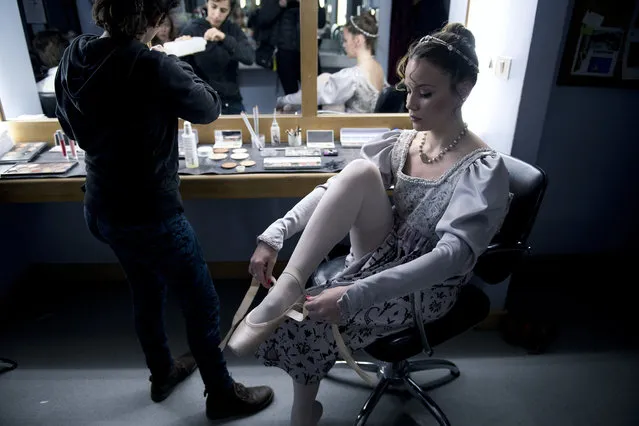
38,169
23,152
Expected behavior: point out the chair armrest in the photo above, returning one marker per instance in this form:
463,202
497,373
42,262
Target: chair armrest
419,323
499,261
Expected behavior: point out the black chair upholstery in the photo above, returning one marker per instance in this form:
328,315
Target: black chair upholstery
391,100
527,185
48,102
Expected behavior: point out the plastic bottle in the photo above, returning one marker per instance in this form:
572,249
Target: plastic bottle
190,147
275,132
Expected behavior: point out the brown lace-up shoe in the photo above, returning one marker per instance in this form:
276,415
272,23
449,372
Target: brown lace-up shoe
183,367
240,401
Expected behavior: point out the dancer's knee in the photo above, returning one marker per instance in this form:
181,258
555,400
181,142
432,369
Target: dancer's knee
361,171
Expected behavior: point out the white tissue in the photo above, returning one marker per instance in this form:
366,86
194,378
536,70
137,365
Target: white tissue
185,47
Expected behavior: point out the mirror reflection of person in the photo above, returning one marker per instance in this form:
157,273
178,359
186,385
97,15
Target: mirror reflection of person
49,46
166,33
132,192
226,47
354,89
278,23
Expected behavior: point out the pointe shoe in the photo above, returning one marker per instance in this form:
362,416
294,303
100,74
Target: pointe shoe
248,336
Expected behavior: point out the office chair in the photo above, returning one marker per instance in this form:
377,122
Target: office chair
527,184
390,101
11,365
48,102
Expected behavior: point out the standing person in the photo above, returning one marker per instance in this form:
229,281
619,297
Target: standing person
226,47
121,102
278,22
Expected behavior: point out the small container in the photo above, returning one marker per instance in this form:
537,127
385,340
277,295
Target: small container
190,147
295,139
204,151
260,143
275,132
240,168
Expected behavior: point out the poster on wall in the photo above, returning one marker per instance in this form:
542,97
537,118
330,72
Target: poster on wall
597,51
602,45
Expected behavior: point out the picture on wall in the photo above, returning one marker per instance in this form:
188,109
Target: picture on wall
602,45
597,52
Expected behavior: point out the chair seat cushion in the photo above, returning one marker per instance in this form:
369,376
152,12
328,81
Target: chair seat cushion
471,308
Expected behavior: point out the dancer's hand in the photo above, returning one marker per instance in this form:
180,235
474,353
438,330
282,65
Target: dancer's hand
323,307
262,263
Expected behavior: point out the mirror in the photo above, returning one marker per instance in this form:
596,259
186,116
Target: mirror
359,48
244,72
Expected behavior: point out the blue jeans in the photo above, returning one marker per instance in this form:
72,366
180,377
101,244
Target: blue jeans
166,253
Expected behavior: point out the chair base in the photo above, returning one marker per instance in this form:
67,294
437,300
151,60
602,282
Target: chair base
399,374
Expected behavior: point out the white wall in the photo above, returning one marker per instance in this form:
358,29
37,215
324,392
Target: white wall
505,28
18,92
501,28
457,10
383,39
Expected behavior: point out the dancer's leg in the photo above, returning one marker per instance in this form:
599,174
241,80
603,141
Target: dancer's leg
355,202
306,410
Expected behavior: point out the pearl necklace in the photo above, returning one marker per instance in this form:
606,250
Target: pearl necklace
427,160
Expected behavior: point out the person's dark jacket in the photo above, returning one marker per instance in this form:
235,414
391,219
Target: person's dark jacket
121,103
218,64
280,26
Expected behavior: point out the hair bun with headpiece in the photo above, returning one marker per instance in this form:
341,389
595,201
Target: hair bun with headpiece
365,24
460,30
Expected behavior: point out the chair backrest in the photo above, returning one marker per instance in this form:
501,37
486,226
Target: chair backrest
528,185
391,101
48,102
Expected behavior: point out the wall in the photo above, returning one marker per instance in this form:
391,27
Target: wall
86,19
18,92
226,229
584,138
589,150
383,38
505,28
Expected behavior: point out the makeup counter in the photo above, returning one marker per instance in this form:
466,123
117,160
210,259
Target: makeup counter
228,167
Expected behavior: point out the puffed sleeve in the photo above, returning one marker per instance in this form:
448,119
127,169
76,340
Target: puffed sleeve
476,210
335,89
379,152
294,221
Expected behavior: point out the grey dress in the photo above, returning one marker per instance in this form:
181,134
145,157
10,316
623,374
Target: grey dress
440,227
348,88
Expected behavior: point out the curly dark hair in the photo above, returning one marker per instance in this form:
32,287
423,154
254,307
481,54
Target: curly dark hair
449,61
128,19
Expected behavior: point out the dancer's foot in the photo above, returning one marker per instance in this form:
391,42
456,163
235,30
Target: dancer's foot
262,321
286,291
318,410
313,420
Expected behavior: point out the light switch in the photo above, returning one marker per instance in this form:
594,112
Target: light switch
501,67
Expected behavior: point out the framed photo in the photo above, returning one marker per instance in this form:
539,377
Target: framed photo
601,46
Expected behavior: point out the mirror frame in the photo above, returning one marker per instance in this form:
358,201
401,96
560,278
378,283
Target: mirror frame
43,130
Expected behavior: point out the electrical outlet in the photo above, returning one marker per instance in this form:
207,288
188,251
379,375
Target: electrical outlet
501,67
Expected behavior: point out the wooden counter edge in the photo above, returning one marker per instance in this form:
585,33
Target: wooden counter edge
262,185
